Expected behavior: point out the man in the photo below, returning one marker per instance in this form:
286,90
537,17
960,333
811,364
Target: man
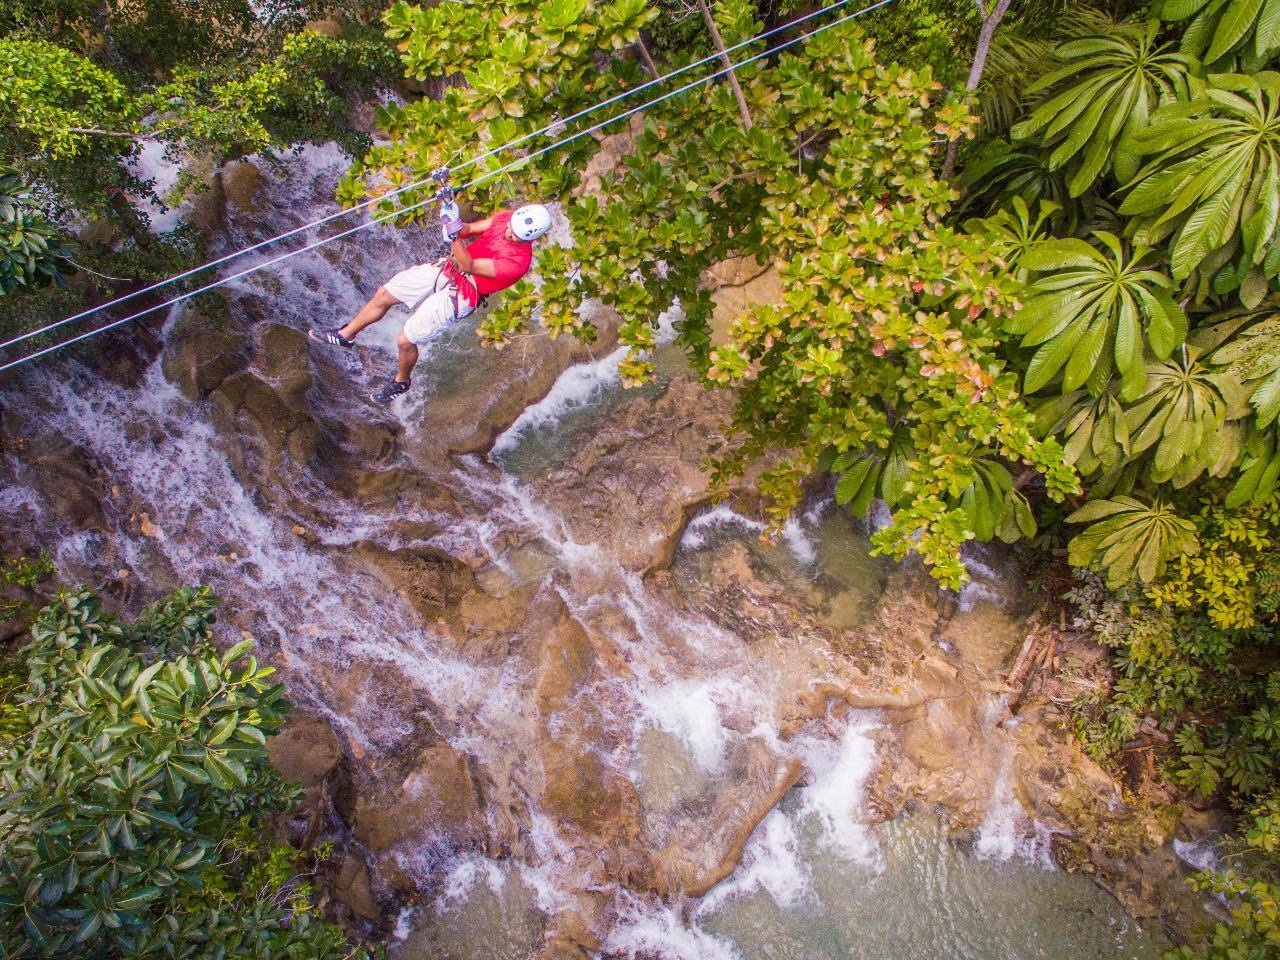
451,288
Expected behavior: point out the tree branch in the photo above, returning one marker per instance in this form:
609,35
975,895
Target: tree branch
96,132
746,175
645,57
728,64
989,23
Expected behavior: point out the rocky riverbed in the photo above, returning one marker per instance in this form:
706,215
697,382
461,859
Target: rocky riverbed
520,635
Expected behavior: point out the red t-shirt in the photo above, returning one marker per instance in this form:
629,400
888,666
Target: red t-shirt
511,260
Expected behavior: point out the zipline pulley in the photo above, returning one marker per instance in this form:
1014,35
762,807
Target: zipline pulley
446,192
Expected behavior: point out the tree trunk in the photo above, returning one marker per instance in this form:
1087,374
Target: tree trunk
728,64
989,23
645,57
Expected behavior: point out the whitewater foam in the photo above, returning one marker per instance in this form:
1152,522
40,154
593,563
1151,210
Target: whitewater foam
771,862
1006,831
645,929
578,387
836,792
690,711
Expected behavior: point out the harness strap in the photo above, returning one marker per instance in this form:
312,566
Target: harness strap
456,277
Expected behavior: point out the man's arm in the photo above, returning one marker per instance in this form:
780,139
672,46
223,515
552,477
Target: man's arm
481,268
477,228
458,250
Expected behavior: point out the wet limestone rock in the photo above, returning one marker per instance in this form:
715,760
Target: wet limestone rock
736,285
577,786
208,208
352,886
634,483
264,406
438,792
67,476
243,185
203,348
431,581
325,28
307,752
280,355
235,190
493,387
612,148
573,932
415,808
693,865
1123,840
267,426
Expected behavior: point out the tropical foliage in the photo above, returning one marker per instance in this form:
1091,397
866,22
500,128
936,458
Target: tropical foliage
1150,256
85,89
1212,185
881,360
1146,229
32,252
1104,91
1254,930
1130,536
1224,34
135,796
1088,311
1196,669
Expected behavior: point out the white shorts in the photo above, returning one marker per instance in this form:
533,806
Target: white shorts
429,292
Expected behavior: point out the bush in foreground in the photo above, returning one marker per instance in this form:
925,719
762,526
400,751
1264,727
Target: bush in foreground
136,802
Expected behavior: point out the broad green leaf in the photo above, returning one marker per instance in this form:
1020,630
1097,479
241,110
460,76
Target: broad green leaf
1236,21
1059,255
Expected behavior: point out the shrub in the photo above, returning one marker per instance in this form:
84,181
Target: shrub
136,799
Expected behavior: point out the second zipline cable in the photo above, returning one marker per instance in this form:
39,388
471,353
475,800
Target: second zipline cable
475,182
509,145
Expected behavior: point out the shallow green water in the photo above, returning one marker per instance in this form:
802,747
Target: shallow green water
927,897
918,896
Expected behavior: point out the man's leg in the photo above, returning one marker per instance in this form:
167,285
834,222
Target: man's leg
408,357
369,314
432,316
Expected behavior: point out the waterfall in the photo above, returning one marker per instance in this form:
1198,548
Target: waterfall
686,691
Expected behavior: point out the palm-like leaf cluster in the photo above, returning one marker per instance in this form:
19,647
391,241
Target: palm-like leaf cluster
864,475
1170,182
1104,91
1227,32
1259,469
1095,430
1002,173
1252,359
993,506
1183,420
1127,535
1213,185
1186,424
1089,312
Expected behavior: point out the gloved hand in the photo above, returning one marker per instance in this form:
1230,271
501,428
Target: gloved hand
450,219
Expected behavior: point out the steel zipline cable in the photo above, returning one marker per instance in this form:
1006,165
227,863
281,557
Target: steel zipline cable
509,145
564,141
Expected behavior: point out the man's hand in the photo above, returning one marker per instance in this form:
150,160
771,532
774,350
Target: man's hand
451,220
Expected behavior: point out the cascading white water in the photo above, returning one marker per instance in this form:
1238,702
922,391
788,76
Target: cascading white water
688,709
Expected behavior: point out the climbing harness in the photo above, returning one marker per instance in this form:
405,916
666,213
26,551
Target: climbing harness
453,275
488,175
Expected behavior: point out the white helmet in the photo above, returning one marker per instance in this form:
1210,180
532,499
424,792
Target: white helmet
531,221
